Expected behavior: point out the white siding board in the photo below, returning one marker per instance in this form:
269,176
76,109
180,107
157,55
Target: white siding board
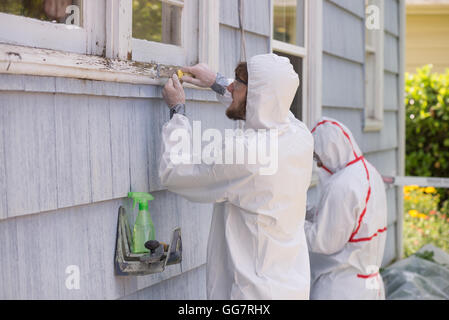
29,257
343,33
390,246
356,7
3,184
392,16
385,161
190,285
194,217
391,206
391,52
121,180
20,83
256,15
391,91
343,83
100,148
72,150
9,261
30,154
387,138
48,255
160,115
139,119
372,141
230,46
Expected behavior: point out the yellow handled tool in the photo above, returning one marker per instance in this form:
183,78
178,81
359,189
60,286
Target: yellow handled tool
182,74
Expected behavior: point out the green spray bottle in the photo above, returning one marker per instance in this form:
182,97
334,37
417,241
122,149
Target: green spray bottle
143,228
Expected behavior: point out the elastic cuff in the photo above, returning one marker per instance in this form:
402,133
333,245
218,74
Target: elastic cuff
179,108
220,84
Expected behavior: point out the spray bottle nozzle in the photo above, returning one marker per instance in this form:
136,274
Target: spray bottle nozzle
142,198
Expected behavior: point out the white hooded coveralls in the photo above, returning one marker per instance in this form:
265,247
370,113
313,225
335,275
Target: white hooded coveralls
347,231
257,247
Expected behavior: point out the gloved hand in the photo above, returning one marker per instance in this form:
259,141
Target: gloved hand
203,76
173,92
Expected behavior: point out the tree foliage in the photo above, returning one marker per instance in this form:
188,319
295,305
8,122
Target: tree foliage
427,124
147,20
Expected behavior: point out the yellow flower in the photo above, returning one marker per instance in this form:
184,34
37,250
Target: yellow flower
408,189
413,213
422,216
407,198
430,190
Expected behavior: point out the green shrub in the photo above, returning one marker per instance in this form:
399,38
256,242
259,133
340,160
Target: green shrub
427,125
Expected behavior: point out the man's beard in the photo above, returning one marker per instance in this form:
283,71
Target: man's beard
237,112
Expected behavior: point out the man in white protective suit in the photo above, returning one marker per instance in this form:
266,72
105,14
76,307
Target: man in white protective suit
257,247
346,229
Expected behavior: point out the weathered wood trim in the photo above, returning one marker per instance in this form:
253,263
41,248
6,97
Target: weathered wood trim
45,62
118,29
32,32
209,33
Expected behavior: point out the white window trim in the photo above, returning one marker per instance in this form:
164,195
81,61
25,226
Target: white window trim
375,123
58,36
312,55
58,61
401,129
121,45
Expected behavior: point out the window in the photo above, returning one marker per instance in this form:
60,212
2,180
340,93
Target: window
288,41
297,27
158,21
374,65
162,27
68,25
175,32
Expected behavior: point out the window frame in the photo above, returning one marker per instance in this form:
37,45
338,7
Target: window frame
87,39
311,55
121,45
373,123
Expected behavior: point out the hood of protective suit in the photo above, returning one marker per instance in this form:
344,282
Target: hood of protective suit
334,144
272,85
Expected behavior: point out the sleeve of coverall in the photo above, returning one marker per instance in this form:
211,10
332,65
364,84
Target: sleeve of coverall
198,182
334,220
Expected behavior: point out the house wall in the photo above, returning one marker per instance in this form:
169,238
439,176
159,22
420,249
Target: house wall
427,37
70,152
343,90
71,149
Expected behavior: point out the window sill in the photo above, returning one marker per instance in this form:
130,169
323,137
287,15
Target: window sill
45,62
372,125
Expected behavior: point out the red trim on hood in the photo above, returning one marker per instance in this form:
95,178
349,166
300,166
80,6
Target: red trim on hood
341,128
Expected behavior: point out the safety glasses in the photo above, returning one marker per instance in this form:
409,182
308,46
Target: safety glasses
240,80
